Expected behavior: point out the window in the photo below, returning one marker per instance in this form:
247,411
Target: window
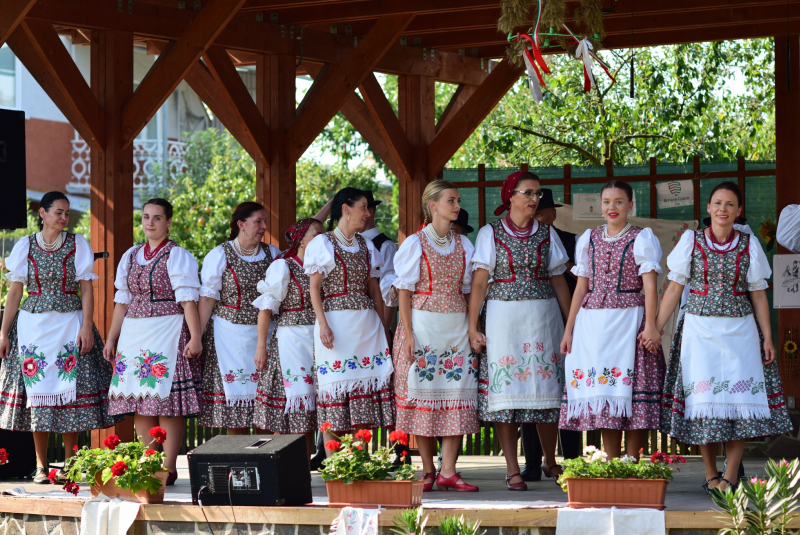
7,78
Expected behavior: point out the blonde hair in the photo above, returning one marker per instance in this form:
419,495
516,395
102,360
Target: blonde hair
432,193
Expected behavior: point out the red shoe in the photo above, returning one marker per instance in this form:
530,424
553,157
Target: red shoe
447,483
548,471
515,486
428,478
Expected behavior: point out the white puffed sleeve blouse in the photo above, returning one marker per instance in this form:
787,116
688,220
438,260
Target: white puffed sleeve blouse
485,254
214,267
407,259
182,269
17,261
274,287
788,233
679,262
646,254
319,257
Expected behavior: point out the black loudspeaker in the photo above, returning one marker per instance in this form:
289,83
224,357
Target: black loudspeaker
21,454
264,470
13,201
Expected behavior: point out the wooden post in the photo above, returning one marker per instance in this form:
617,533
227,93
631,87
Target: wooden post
481,195
740,165
111,181
568,183
417,114
609,167
787,168
696,181
653,195
276,184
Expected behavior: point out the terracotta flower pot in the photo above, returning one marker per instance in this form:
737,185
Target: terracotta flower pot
111,490
368,494
623,493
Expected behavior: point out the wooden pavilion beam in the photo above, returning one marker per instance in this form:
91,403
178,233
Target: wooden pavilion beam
39,48
219,101
388,124
247,34
11,14
457,101
249,117
173,64
335,83
471,114
357,113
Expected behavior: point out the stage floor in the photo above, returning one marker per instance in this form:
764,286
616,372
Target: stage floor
488,472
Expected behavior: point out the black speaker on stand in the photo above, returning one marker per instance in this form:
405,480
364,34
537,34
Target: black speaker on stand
13,201
263,470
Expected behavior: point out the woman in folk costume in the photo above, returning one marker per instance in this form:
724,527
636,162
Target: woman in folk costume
230,276
614,382
287,394
722,381
53,377
521,375
436,380
156,333
351,354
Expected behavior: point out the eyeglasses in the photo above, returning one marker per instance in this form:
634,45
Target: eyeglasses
529,193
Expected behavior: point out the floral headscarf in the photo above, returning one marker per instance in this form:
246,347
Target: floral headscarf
295,234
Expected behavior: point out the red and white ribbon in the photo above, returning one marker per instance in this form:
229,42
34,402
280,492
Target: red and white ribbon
584,52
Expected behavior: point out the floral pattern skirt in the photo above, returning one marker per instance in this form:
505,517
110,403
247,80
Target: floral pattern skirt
89,411
270,405
424,421
710,430
184,396
215,411
648,386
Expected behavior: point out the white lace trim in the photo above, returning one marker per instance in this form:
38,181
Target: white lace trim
266,302
559,270
481,265
13,277
647,267
580,270
186,294
88,277
209,292
466,288
758,285
123,297
677,277
404,285
310,270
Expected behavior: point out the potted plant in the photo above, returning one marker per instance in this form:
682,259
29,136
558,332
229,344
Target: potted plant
124,469
596,481
357,478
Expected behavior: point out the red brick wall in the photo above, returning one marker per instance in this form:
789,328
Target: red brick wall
48,154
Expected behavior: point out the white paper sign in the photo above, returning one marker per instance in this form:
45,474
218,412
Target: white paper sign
675,193
586,206
786,280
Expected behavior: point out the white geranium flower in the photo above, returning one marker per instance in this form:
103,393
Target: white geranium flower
598,456
588,450
627,459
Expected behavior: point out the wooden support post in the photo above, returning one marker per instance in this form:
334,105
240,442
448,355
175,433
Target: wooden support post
567,183
653,193
111,181
276,184
388,124
481,196
11,14
417,107
787,168
740,166
457,101
696,181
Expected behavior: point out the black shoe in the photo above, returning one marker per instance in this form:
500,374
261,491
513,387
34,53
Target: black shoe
316,462
530,473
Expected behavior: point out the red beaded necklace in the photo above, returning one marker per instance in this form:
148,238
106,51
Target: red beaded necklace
516,230
721,246
148,254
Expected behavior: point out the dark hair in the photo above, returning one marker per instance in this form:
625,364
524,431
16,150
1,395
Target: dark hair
730,186
619,184
528,176
47,202
163,203
348,196
242,212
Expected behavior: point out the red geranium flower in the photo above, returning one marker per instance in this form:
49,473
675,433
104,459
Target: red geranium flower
119,468
150,452
158,370
332,445
326,427
359,448
364,434
3,456
111,442
72,487
399,436
159,434
75,447
53,475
